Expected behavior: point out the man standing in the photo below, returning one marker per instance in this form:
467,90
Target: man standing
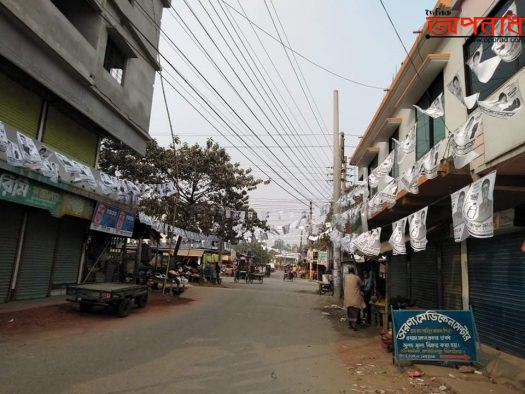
353,299
368,290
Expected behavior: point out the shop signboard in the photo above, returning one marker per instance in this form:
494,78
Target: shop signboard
21,190
434,335
111,220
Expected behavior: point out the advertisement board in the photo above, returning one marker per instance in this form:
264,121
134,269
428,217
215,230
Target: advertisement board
112,220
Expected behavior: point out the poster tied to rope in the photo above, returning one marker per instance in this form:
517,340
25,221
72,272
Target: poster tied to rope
431,159
397,239
508,103
369,243
435,110
455,87
508,47
484,70
478,208
407,145
417,225
458,221
463,140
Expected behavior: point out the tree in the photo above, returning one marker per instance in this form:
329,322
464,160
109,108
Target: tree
260,254
207,183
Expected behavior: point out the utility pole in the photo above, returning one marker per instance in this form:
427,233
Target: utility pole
336,193
309,242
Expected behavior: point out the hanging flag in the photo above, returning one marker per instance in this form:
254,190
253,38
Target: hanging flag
410,178
417,225
463,139
509,47
484,70
407,145
479,207
508,103
368,243
431,160
435,110
456,89
458,221
389,193
397,239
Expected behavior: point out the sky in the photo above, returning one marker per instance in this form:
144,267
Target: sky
263,96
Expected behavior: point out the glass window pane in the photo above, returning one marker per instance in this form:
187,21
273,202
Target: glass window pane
422,135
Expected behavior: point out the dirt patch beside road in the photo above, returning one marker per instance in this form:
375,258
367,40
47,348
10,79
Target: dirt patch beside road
67,316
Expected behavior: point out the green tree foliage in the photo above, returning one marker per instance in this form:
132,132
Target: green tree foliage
260,254
206,178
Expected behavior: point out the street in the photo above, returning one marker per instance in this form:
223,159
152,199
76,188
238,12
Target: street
248,338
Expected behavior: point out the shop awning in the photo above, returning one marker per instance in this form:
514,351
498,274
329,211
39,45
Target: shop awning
190,252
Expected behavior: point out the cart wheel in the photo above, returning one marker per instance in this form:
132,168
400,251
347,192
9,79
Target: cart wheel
124,308
85,307
141,301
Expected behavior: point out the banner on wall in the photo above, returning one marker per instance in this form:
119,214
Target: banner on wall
397,239
508,103
435,110
455,87
417,228
463,140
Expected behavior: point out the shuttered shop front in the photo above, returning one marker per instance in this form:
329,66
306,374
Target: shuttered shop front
37,255
497,291
11,218
424,277
451,274
68,251
398,274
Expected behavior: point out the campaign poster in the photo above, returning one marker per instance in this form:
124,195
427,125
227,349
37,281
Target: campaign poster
479,207
397,239
410,178
407,145
417,228
458,221
508,103
455,87
430,161
484,70
463,140
435,110
368,243
507,48
30,155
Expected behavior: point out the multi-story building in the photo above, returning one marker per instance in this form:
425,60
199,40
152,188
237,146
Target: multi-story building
487,274
71,74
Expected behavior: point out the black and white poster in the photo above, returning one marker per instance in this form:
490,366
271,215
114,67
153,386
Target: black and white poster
484,70
458,221
507,48
431,160
407,145
397,239
383,169
417,228
13,154
455,87
373,180
3,138
30,156
70,166
108,184
389,193
508,103
368,243
436,108
409,179
85,177
463,140
479,206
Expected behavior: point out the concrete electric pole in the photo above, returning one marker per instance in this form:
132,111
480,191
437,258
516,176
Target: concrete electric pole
337,175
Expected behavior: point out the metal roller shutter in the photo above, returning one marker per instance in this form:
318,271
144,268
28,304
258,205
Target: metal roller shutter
37,256
68,251
19,108
398,272
424,278
70,138
451,274
497,291
11,222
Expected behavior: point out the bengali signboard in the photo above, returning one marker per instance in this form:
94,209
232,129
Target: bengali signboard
112,220
21,190
434,335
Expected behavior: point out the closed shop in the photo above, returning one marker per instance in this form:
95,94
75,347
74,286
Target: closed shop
69,137
451,275
398,277
37,255
424,277
19,108
11,218
497,290
68,251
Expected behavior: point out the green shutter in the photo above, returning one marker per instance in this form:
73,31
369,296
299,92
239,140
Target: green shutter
70,138
19,108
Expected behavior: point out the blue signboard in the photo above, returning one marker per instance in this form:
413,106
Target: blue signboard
112,220
440,335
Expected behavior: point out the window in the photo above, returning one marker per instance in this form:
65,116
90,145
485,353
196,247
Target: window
115,60
82,15
429,131
504,70
392,147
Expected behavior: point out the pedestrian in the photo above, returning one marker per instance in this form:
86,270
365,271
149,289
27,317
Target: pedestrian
353,299
218,273
368,290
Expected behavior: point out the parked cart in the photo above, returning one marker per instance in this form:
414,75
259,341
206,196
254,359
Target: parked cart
118,296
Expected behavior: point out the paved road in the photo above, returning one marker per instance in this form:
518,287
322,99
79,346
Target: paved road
269,338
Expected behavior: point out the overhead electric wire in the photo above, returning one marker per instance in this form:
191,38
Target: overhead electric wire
294,70
235,90
205,101
298,67
307,154
295,152
300,54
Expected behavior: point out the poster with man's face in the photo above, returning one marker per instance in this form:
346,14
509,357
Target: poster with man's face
458,222
13,154
29,152
3,138
417,228
431,160
389,193
464,138
409,180
397,239
484,70
455,87
435,110
368,243
479,206
507,104
506,48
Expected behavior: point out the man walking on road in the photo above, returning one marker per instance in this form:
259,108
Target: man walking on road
353,299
